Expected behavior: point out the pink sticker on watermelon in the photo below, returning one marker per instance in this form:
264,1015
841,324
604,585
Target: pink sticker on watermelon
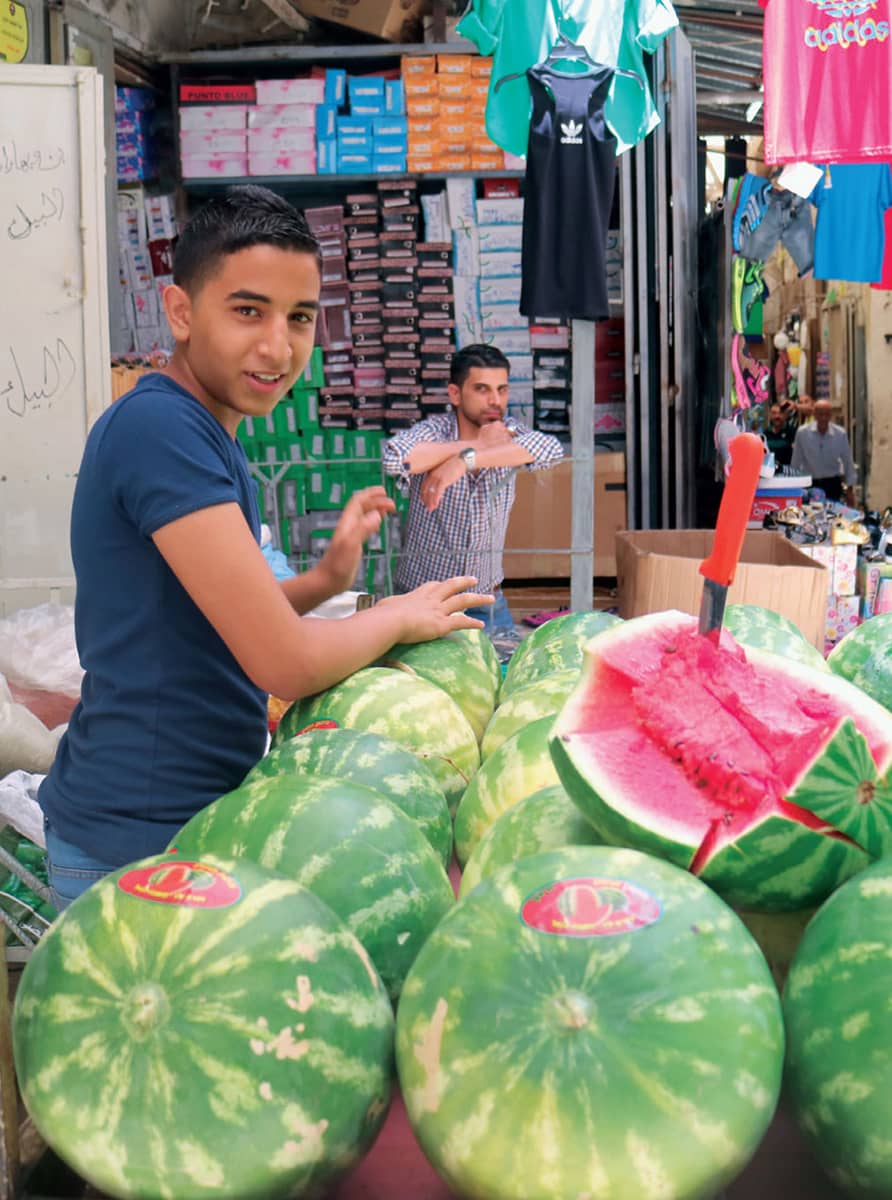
182,884
590,907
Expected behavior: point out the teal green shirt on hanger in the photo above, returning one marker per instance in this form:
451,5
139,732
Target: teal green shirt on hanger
520,33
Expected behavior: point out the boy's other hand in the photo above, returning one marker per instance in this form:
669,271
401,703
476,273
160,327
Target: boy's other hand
362,516
435,609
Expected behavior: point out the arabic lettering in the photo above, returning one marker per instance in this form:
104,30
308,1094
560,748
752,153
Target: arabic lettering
25,161
23,224
56,369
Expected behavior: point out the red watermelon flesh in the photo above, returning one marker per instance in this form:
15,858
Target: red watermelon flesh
701,743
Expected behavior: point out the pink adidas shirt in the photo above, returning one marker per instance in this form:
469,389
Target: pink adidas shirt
827,66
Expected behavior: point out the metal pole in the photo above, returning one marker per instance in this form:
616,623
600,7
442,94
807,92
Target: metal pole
582,427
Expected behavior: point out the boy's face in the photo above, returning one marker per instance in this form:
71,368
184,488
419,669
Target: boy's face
246,334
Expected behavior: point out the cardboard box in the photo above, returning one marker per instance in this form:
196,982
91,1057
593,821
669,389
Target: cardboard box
660,569
387,19
539,529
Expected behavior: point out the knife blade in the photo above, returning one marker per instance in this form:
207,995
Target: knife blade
747,453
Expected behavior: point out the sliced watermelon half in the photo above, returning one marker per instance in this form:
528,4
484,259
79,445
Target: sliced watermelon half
768,779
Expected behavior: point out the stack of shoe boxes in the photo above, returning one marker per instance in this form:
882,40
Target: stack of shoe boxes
147,231
399,311
213,122
134,143
446,105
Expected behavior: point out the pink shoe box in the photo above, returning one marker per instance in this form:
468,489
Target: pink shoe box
213,117
283,162
265,116
282,138
226,165
869,576
845,570
200,141
291,91
145,308
843,615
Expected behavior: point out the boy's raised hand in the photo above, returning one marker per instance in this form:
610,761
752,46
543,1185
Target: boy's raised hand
362,516
437,608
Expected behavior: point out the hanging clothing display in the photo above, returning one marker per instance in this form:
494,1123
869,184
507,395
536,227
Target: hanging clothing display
571,176
852,200
884,283
784,218
827,67
520,33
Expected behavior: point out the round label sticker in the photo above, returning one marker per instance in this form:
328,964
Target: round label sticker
590,907
183,884
324,723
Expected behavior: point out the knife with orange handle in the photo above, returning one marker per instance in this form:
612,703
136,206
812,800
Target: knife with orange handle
747,453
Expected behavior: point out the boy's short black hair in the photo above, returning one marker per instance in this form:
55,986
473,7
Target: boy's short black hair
477,355
242,217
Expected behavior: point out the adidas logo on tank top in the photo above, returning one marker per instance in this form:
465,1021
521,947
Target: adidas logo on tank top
571,132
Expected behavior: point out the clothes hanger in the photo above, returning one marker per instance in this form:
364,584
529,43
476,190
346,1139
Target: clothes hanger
563,48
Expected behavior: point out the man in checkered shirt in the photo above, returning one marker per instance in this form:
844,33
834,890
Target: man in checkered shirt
460,469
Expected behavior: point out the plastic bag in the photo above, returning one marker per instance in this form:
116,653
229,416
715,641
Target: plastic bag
25,742
38,650
19,807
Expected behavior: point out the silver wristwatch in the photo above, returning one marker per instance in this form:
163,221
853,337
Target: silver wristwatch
469,458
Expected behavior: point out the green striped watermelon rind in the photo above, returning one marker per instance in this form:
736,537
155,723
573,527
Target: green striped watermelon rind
544,697
350,846
640,1064
373,761
546,820
411,711
839,1027
460,666
170,1050
555,646
778,865
864,658
764,629
522,765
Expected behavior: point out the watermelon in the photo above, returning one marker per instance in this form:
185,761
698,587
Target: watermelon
375,762
590,1022
555,646
463,664
547,820
412,712
203,1029
764,777
545,697
864,657
751,625
522,765
349,845
839,1026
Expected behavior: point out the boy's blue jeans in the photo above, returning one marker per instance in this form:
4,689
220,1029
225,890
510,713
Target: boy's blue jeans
71,871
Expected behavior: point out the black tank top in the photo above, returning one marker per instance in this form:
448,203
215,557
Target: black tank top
570,180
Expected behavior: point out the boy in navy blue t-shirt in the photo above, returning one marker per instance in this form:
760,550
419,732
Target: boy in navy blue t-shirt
182,628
